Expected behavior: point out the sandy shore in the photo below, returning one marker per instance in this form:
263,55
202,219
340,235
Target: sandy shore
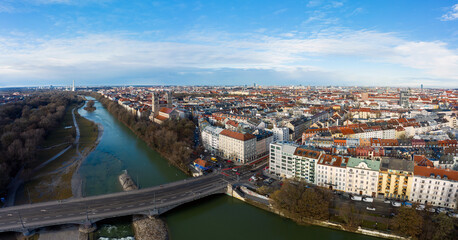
77,181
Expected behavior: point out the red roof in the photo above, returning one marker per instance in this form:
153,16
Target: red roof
166,110
237,135
162,118
429,171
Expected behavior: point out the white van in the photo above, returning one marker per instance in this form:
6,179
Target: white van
356,198
368,199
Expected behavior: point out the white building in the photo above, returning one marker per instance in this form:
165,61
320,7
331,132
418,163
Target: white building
331,172
238,147
280,134
435,186
289,161
281,161
210,138
362,176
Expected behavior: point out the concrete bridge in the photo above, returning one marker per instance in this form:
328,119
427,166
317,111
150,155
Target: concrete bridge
88,210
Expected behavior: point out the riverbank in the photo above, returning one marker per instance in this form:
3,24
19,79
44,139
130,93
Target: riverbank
177,135
55,178
306,222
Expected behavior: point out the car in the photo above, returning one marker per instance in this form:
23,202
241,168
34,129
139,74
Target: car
370,208
407,204
431,209
387,201
396,204
234,169
356,198
368,199
452,214
439,210
420,207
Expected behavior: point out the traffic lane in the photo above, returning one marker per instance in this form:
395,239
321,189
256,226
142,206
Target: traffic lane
126,196
126,210
106,205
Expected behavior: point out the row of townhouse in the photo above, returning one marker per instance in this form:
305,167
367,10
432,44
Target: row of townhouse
388,178
378,142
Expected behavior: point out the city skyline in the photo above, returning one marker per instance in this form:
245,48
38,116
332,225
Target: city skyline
319,43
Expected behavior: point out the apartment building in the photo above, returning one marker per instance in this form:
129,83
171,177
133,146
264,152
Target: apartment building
281,162
236,146
435,186
395,178
331,172
305,162
362,176
210,138
280,134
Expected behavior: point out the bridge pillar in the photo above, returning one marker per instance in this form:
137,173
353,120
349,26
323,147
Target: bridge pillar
87,227
28,233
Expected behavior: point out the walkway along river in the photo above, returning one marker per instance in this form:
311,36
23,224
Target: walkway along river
219,217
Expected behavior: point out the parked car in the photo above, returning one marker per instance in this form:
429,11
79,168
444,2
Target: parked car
431,209
420,207
452,214
356,198
396,204
368,199
387,201
370,208
407,204
234,169
439,210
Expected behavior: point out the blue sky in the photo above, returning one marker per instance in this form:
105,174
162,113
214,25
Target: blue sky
316,42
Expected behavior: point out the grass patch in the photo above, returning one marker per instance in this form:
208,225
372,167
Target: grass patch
89,132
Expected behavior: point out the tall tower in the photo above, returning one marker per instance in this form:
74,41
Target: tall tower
73,86
155,104
169,99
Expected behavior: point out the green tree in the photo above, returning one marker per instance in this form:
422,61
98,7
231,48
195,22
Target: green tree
351,216
408,222
444,227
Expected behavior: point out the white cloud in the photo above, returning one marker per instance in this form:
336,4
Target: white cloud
383,57
452,14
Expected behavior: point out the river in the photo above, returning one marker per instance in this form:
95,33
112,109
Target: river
217,217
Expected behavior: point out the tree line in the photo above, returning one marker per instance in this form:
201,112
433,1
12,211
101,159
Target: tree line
302,203
90,106
23,127
173,139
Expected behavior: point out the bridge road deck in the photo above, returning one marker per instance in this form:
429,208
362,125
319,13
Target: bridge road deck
154,200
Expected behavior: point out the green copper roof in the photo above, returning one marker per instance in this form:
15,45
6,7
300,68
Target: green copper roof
371,164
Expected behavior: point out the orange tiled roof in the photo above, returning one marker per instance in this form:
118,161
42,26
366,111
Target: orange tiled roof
428,171
236,135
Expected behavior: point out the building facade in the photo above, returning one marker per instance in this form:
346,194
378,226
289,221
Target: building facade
395,178
210,138
281,161
434,186
362,176
238,147
331,172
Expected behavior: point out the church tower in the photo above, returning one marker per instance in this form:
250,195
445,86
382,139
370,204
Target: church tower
169,99
155,104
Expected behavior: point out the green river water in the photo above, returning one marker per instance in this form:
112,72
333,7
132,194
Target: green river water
217,217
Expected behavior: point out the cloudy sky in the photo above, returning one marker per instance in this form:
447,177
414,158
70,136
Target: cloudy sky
317,42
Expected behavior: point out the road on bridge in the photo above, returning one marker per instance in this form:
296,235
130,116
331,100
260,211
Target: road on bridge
91,209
